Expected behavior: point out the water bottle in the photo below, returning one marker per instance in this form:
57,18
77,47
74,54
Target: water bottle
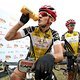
32,15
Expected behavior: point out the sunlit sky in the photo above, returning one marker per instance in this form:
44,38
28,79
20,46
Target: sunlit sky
66,9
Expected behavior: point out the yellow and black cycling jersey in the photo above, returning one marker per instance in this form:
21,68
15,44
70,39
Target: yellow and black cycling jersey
73,39
40,43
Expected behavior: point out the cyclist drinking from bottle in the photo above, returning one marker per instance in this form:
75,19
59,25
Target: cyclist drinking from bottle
42,39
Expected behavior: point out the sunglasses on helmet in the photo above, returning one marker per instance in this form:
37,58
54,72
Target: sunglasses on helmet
44,14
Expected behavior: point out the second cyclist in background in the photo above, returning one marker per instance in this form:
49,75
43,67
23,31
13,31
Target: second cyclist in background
71,45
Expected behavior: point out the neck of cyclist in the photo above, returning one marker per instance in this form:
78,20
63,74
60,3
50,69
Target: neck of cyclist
70,31
44,28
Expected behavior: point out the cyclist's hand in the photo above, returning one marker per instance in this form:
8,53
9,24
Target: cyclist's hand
24,18
78,59
78,63
68,54
44,64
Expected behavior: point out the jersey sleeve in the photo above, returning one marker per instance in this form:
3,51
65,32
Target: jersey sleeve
26,31
79,44
56,38
79,37
62,38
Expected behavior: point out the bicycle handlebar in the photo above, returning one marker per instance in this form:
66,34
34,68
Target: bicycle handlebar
16,63
10,63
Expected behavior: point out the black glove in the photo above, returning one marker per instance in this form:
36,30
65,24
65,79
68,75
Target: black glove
44,65
68,54
24,18
78,59
78,63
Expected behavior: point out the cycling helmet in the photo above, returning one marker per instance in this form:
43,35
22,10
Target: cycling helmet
70,21
50,10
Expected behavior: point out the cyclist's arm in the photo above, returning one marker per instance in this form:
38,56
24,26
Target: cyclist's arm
62,43
13,33
58,52
57,47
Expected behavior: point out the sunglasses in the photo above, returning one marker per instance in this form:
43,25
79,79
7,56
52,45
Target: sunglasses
44,14
71,25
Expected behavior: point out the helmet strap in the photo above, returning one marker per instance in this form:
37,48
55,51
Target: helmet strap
48,23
